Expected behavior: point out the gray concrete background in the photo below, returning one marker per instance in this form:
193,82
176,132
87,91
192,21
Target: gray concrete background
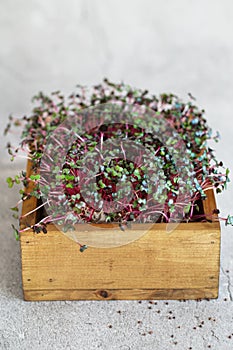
166,46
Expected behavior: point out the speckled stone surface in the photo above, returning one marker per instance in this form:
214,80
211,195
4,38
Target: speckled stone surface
179,46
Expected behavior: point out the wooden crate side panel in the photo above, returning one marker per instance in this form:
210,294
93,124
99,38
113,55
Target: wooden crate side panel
184,260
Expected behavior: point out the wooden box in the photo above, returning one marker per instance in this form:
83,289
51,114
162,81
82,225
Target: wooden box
181,265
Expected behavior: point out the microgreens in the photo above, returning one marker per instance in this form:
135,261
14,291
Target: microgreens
184,117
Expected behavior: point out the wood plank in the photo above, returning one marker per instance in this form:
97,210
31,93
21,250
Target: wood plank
120,294
183,260
209,205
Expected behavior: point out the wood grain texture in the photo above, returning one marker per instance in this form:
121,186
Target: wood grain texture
181,265
30,203
120,294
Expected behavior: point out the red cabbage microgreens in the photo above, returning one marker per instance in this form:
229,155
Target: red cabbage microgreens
111,173
185,117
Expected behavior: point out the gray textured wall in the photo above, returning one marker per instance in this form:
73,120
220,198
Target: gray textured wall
172,46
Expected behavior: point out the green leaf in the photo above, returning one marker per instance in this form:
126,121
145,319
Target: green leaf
15,209
35,194
16,232
60,177
118,168
75,196
66,171
108,218
69,177
137,174
131,165
187,208
229,220
56,169
17,180
101,184
69,186
35,177
37,155
10,182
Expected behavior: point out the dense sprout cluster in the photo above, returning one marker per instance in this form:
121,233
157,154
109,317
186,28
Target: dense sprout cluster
185,117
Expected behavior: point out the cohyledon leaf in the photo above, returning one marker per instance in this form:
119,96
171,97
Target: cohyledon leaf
10,182
229,220
16,232
187,208
69,185
35,177
17,179
15,209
